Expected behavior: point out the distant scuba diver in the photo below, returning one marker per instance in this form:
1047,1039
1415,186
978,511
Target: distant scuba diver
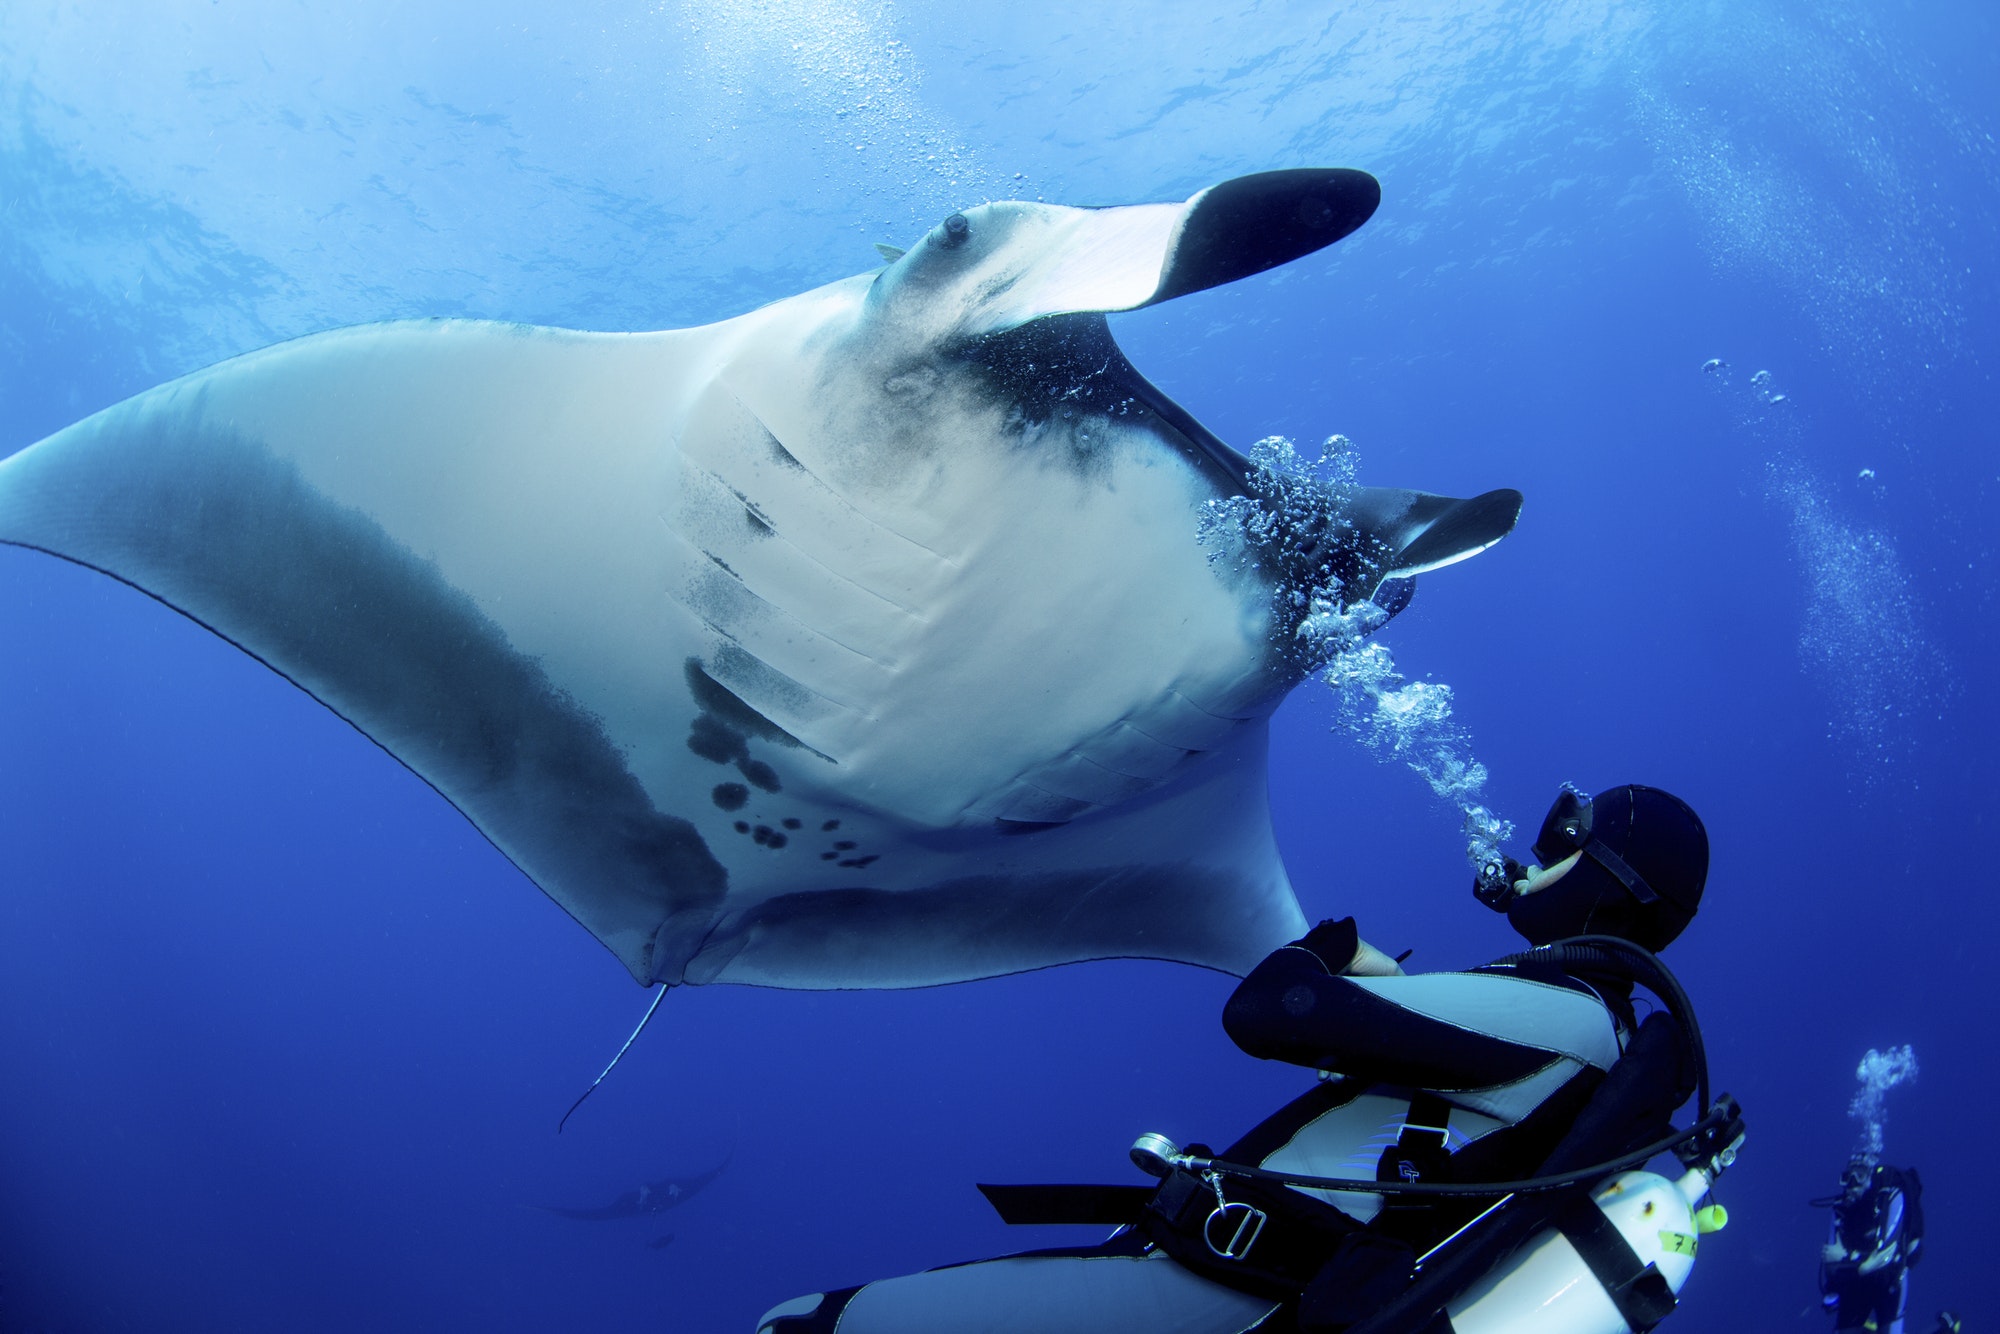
1947,1323
1381,1202
1875,1235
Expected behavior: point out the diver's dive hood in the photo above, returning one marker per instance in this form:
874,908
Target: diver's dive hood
1641,862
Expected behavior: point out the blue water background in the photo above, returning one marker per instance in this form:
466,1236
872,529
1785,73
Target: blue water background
283,1042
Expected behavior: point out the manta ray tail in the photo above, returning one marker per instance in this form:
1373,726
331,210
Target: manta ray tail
647,1018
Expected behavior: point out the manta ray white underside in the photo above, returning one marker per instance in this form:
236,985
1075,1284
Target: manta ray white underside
861,640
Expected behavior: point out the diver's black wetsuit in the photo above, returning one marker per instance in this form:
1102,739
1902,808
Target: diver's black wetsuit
1467,1076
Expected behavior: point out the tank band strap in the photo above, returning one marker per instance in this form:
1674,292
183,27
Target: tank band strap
1637,1289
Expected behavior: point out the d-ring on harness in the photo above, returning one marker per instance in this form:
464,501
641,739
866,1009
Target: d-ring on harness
1249,1222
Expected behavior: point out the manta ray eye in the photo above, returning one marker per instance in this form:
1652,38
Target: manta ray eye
953,231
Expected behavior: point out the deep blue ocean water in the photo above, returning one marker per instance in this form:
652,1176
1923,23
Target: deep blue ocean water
283,1041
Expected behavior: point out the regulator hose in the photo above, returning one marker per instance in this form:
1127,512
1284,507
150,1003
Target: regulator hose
1718,1118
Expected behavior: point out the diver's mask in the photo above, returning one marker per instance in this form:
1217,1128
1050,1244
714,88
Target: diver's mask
1566,830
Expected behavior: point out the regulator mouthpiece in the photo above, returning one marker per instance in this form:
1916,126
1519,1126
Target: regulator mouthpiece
1494,883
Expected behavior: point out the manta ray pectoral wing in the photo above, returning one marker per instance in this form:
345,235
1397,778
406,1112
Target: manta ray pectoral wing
449,533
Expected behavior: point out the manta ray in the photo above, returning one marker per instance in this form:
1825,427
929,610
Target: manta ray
867,639
651,1197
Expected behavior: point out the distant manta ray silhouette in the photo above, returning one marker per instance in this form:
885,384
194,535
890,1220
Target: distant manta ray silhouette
652,1197
864,640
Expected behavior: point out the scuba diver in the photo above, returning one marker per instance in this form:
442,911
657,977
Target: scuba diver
1875,1235
1387,1199
1947,1323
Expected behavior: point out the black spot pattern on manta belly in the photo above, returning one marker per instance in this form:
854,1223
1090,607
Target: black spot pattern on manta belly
712,741
829,826
856,863
844,845
721,732
767,837
792,822
728,708
730,796
742,826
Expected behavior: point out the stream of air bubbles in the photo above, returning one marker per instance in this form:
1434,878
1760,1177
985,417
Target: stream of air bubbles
1397,719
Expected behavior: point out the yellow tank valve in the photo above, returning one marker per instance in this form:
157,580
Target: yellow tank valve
1714,1218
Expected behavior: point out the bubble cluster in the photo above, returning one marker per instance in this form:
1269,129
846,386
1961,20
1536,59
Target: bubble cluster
1860,638
1825,181
839,64
1879,1072
1298,524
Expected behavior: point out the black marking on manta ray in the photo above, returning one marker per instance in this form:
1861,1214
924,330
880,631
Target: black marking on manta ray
224,531
721,734
727,604
1070,366
832,494
766,837
784,456
1015,828
829,826
1002,920
730,796
730,711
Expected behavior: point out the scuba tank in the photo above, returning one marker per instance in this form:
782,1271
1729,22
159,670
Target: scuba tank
1574,1252
1549,1287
